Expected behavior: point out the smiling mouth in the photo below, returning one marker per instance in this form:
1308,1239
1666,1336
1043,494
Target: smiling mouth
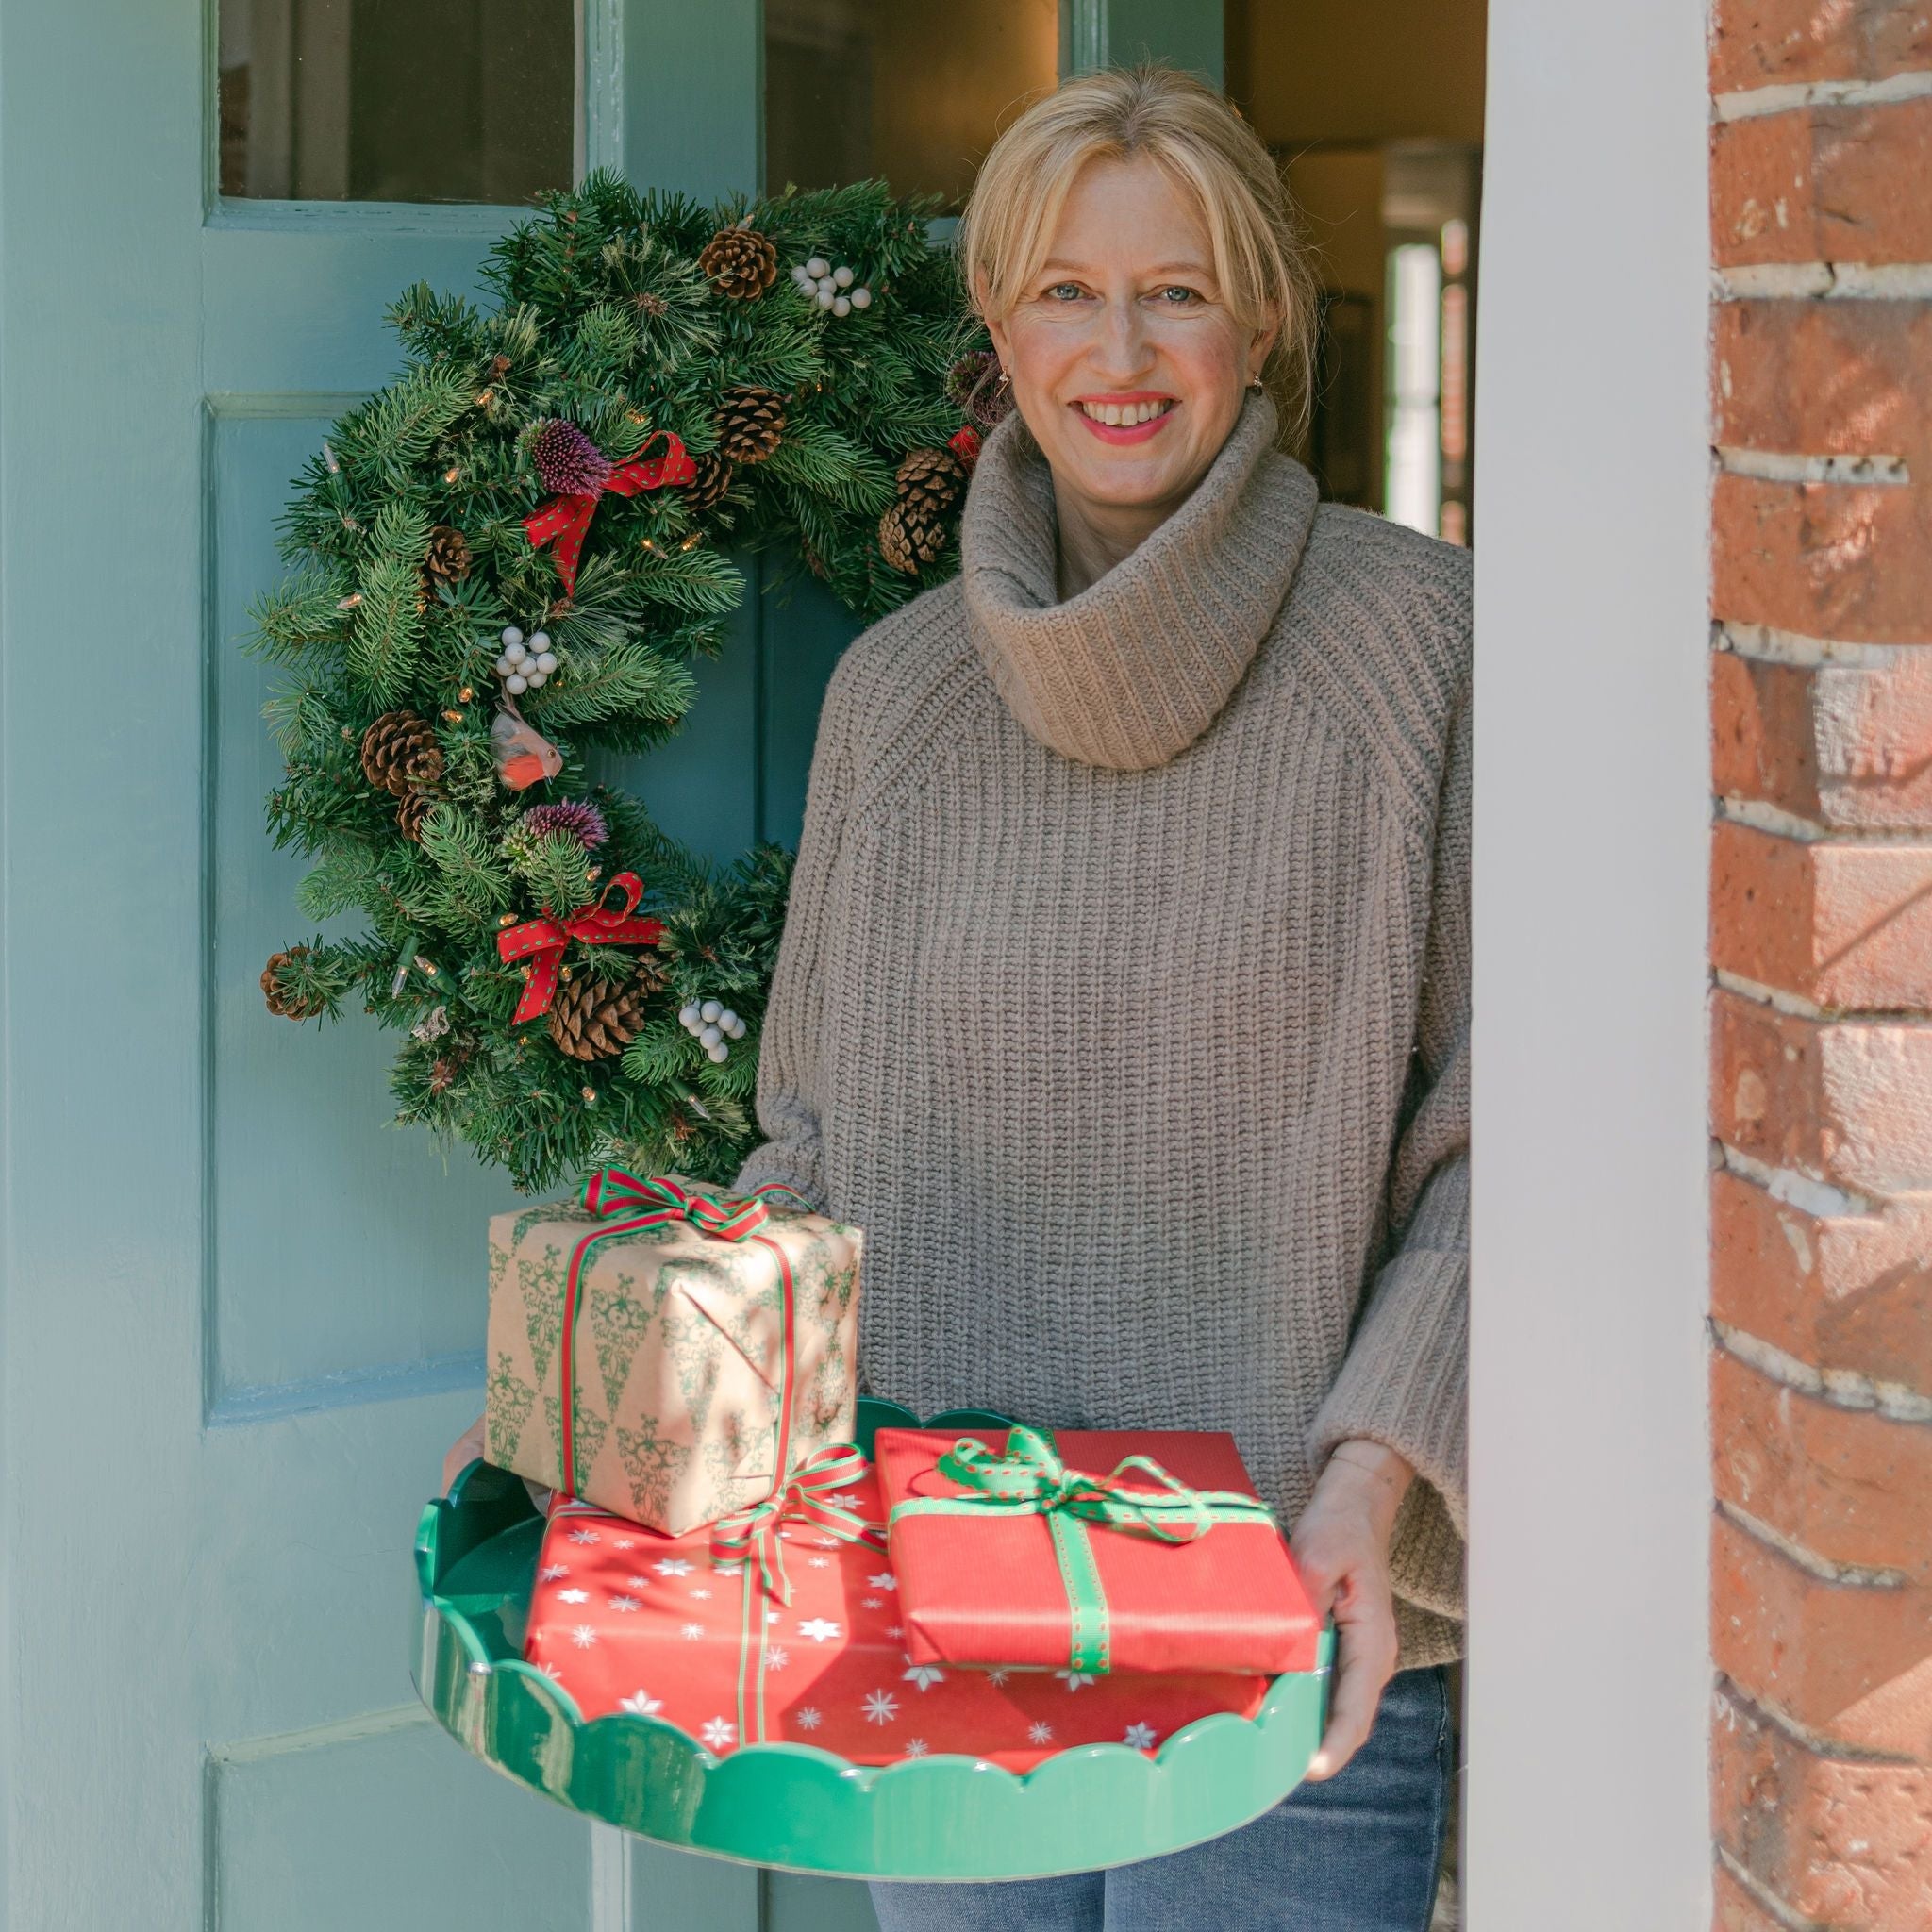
1124,414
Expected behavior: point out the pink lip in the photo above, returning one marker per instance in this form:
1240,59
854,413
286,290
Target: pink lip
1125,432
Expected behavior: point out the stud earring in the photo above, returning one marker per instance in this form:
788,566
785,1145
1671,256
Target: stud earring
1256,387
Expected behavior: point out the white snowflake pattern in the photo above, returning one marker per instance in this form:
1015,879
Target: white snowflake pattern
895,1629
624,1603
773,1616
728,1569
719,1732
702,1595
824,1542
873,1603
925,1675
552,1573
626,1542
883,1580
881,1707
672,1566
584,1635
641,1704
585,1536
915,1747
777,1657
997,1678
806,1718
1140,1737
819,1629
638,1582
819,1563
1041,1733
1074,1679
573,1596
551,1671
693,1631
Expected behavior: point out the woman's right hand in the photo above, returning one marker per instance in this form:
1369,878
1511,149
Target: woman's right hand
462,1452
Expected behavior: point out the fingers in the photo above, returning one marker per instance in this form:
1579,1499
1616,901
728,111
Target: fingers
1365,1661
462,1452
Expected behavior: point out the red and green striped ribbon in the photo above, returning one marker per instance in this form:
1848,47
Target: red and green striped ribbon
625,1203
1030,1479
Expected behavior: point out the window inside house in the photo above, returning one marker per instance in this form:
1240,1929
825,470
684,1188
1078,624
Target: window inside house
859,89
398,100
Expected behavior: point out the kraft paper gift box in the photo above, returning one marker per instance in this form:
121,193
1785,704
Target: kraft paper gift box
665,1353
685,1631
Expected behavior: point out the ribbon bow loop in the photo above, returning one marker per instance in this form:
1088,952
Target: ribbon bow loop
543,942
805,1496
566,520
611,1191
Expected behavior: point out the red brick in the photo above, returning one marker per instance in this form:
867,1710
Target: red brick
1848,1102
1848,1293
1849,1663
1823,379
1842,924
1823,184
1790,42
1851,561
1847,1484
1846,746
1733,1909
1837,1841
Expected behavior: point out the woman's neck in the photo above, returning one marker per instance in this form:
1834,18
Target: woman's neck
1096,537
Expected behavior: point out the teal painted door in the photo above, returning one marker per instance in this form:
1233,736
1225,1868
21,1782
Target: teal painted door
240,1322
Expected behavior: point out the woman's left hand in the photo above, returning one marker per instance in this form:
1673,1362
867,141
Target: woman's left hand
1342,1548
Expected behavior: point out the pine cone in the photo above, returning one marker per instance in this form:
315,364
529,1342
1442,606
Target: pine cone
740,262
712,481
447,560
412,814
915,529
284,1003
400,752
750,422
591,1021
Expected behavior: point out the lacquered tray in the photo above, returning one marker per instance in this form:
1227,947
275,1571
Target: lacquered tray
804,1809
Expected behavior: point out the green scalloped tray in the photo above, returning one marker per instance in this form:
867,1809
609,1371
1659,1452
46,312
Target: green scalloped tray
804,1809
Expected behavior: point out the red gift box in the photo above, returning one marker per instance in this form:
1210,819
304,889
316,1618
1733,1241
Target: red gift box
625,1619
992,1581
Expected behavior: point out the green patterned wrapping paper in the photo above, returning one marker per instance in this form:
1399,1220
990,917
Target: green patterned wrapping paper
680,1363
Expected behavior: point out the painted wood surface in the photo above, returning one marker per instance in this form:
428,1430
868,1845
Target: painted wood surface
240,1320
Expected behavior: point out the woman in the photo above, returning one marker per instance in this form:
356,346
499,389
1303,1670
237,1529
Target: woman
1123,995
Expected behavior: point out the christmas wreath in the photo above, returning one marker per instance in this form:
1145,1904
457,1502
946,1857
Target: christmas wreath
501,564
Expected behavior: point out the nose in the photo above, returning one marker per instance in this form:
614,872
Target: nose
1120,350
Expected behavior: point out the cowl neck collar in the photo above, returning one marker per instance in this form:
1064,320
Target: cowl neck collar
1135,668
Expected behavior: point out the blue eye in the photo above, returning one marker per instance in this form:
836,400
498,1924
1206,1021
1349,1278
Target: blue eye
1057,287
1179,289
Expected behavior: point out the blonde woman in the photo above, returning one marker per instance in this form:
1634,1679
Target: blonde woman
1124,997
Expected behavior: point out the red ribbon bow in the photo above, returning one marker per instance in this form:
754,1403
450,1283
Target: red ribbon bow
543,941
567,519
750,1535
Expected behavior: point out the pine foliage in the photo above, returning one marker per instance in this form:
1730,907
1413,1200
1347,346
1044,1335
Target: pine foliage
600,316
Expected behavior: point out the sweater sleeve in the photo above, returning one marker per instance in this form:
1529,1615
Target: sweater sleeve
1405,1379
789,1095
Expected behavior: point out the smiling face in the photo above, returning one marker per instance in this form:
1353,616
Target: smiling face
1125,361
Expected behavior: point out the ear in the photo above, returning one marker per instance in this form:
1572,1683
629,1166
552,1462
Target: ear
995,326
1262,345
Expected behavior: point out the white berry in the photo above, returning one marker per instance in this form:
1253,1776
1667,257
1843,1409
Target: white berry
534,678
688,1017
539,641
717,1055
726,1018
825,298
512,635
515,684
547,661
843,277
504,667
861,298
710,1010
516,652
709,1037
818,266
841,306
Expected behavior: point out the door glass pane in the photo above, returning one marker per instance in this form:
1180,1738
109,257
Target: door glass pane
398,100
855,89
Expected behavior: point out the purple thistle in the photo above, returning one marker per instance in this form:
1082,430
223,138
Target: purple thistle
568,461
572,816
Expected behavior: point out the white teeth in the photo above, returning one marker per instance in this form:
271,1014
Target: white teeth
1124,413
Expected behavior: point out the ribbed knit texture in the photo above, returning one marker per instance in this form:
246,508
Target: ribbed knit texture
1123,998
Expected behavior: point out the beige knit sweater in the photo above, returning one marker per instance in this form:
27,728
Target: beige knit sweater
1123,998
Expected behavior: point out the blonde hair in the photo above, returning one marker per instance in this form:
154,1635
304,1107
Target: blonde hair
1197,139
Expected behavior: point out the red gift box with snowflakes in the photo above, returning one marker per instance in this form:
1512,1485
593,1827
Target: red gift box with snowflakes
1121,1550
623,1619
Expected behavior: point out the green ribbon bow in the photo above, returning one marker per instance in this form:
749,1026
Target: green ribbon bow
1030,1479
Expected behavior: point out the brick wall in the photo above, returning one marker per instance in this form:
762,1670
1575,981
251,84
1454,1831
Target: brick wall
1821,948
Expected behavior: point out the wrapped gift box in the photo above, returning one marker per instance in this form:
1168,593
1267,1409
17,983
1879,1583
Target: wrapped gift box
625,1621
701,1356
985,1582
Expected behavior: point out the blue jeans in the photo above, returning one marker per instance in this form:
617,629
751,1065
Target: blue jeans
1355,1854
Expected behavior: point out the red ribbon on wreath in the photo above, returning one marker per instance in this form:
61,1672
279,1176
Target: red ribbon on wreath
566,520
543,941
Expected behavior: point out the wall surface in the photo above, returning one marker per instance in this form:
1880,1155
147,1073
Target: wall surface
1589,1678
1821,949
